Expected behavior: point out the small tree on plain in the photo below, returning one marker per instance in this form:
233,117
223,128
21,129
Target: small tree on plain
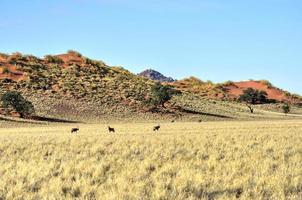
15,100
286,108
161,94
252,96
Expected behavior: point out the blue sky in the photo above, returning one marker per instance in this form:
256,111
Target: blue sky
214,40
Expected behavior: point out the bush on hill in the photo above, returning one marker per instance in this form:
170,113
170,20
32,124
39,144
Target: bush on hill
286,108
5,70
15,100
53,59
252,96
74,52
160,94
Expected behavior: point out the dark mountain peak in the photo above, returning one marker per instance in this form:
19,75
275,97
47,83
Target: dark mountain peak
155,75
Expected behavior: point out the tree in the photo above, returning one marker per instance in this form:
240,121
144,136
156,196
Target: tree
161,94
252,96
286,108
15,100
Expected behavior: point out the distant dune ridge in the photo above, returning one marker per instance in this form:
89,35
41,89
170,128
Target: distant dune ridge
232,90
73,86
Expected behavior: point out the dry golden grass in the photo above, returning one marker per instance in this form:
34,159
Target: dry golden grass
214,160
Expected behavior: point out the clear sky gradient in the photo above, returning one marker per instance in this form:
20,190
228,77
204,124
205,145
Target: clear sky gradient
216,40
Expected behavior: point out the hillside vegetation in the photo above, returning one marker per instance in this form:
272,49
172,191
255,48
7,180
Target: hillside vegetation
57,80
72,86
232,90
72,75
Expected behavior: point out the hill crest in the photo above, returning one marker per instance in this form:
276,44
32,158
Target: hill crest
155,75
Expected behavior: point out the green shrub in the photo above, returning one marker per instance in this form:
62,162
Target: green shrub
15,100
252,96
5,70
267,83
160,94
286,108
228,83
53,59
74,52
287,94
12,59
210,82
4,56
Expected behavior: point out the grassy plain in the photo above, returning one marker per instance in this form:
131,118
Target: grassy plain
209,160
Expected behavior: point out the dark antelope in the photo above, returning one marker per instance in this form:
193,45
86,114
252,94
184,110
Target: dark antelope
74,130
111,129
156,128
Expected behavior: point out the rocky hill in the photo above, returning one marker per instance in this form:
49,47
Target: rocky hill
155,75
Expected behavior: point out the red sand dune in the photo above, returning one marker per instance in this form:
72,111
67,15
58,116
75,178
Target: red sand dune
71,58
12,73
232,90
16,75
237,88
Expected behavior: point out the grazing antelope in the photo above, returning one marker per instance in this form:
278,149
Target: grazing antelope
111,129
74,130
156,128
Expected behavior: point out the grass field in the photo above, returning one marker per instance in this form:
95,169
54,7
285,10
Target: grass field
211,160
